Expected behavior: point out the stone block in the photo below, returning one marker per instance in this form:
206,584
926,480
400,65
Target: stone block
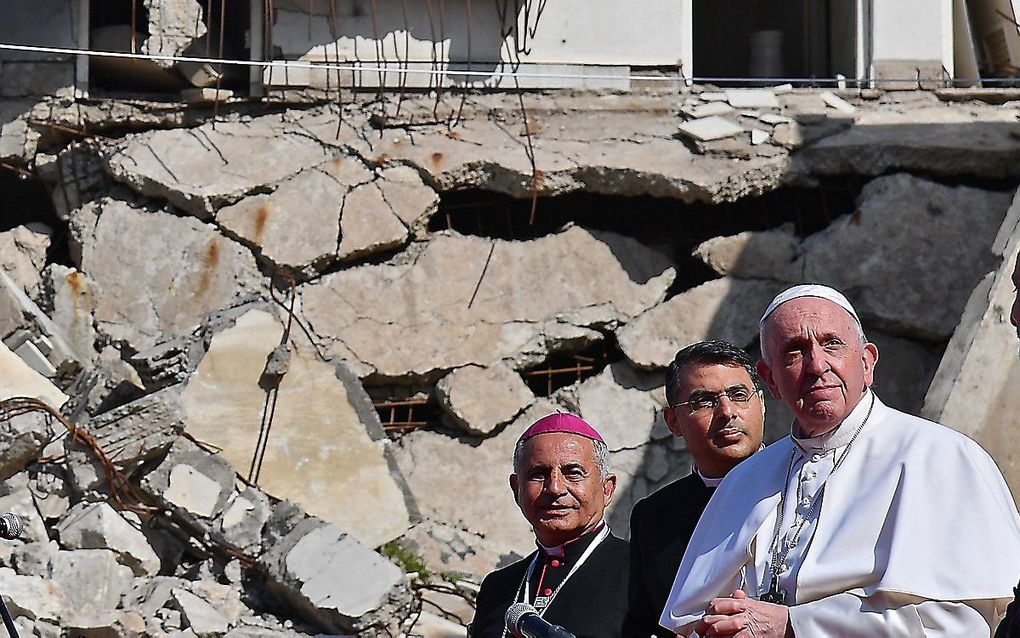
99,526
141,429
707,109
198,615
767,254
73,295
325,431
92,580
191,480
23,255
752,98
241,523
480,400
710,128
303,569
35,598
22,438
725,308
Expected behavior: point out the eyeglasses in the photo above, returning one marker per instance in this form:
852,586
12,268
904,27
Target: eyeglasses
707,401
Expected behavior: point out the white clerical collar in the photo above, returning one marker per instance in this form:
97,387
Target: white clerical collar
838,436
708,481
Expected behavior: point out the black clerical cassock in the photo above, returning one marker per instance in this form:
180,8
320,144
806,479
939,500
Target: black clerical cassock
661,525
581,585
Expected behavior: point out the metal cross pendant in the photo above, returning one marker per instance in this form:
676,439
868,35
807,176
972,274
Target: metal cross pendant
774,595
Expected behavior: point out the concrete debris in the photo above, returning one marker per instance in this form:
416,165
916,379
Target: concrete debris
191,480
303,566
707,110
487,301
319,436
173,27
922,239
775,118
243,519
144,298
33,597
724,308
73,295
99,526
710,128
768,254
367,225
712,96
759,136
23,255
110,382
205,96
22,438
200,170
140,430
92,580
752,98
479,400
198,615
838,103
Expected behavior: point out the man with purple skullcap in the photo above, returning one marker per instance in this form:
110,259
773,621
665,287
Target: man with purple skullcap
577,578
864,522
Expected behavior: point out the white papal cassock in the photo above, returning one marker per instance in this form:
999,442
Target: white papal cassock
915,532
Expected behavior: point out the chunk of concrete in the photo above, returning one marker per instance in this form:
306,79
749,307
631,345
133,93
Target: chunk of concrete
468,300
201,617
99,526
91,579
23,255
708,110
304,565
173,27
73,295
726,308
22,438
277,224
480,400
767,254
367,224
321,433
410,198
910,241
108,383
192,481
202,169
33,597
140,430
834,101
147,299
241,523
710,128
752,98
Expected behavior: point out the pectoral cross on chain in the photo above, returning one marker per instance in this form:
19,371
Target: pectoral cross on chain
774,595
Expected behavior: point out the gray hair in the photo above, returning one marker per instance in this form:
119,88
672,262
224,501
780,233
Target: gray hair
601,457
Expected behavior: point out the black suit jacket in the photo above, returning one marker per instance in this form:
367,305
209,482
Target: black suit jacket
591,604
661,525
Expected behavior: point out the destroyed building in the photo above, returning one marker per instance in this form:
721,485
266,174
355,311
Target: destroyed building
292,277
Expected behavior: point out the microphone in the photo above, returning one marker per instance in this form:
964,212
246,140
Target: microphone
10,526
523,621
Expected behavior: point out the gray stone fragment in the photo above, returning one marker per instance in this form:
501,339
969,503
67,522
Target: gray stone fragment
367,224
33,597
23,255
410,199
108,383
752,98
303,568
73,296
710,128
910,241
191,480
147,300
92,579
140,430
202,169
765,254
99,526
173,26
201,617
241,523
479,400
725,308
34,558
22,438
372,309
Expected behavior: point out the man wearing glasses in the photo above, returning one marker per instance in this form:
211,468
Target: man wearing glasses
715,405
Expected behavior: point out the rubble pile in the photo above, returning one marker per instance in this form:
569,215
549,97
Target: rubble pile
222,308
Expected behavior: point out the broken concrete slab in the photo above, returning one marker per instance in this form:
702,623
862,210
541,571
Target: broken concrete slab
92,580
194,482
148,299
707,110
322,429
108,383
469,300
22,438
725,308
367,224
202,169
767,254
909,242
241,523
23,255
479,400
277,224
99,526
32,597
303,567
73,296
710,128
752,98
140,430
623,404
173,27
198,615
974,388
410,198
838,103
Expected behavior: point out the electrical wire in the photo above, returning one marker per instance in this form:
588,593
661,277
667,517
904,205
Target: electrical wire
365,68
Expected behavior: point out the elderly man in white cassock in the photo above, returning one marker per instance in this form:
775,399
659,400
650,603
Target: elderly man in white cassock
865,521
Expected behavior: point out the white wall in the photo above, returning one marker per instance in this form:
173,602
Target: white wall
912,30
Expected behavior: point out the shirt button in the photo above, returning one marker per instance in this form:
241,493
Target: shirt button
555,563
547,592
